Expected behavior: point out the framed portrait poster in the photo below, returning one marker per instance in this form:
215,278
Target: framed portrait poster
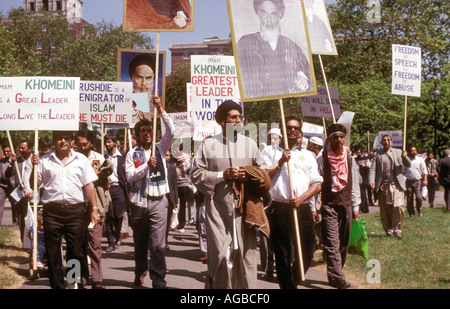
158,15
320,34
138,66
271,48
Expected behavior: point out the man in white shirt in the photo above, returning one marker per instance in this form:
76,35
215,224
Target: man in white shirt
416,178
147,174
306,182
63,175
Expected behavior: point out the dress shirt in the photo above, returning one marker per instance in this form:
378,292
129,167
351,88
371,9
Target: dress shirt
114,177
63,183
304,171
417,169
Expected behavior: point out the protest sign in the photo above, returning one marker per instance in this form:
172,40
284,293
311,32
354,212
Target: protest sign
105,102
183,126
406,70
395,135
319,105
39,103
213,81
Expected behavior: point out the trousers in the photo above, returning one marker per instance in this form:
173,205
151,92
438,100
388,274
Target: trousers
70,223
281,220
336,225
149,235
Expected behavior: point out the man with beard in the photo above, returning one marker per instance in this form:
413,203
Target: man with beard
64,175
142,73
387,180
306,183
272,64
340,202
217,166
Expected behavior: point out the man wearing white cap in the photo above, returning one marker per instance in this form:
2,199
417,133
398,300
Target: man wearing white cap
315,144
272,153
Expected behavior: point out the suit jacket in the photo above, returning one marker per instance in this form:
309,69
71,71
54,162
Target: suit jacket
376,172
7,177
443,170
121,170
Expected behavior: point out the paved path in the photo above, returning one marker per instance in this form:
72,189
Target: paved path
185,270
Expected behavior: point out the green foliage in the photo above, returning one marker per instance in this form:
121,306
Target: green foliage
417,261
176,94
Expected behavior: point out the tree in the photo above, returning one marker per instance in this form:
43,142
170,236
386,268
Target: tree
94,56
42,45
364,46
176,92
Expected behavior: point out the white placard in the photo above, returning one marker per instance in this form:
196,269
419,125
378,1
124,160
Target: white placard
39,103
213,80
319,105
105,102
396,136
183,126
406,70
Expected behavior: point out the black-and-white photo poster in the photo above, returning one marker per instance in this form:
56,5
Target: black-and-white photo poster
271,48
320,34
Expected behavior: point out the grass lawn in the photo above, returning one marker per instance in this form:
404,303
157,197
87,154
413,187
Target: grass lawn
420,260
11,256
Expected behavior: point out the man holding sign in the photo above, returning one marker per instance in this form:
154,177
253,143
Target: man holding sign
64,174
147,174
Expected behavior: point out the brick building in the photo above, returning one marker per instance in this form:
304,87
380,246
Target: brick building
181,53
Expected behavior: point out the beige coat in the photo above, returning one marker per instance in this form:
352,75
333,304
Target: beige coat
215,155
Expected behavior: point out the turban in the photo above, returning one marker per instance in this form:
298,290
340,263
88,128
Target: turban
141,59
224,108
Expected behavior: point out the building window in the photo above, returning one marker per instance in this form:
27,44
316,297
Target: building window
186,55
32,6
39,44
58,6
45,5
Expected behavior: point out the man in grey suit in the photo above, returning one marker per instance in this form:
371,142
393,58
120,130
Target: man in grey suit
388,182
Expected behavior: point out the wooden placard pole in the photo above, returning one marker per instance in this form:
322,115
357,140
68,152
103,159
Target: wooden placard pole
35,202
404,123
102,128
326,86
296,224
155,112
15,162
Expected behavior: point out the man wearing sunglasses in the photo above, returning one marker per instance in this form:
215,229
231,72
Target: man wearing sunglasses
217,166
306,182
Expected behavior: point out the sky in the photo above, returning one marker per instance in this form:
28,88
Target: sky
211,19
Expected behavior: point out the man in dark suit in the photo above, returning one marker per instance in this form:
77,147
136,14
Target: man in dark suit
7,180
22,177
388,182
443,170
118,190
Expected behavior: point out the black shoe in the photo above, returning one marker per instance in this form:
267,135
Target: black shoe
138,281
344,285
110,248
267,277
398,234
98,286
